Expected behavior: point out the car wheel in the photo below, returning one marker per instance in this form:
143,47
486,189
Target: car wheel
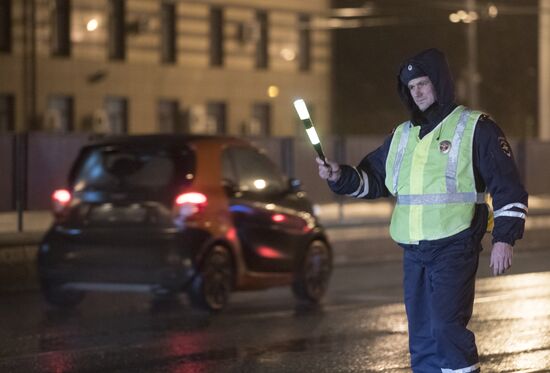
212,285
55,295
313,274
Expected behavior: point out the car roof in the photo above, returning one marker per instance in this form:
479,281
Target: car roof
165,139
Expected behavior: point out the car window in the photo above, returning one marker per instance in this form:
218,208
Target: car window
254,172
228,171
117,167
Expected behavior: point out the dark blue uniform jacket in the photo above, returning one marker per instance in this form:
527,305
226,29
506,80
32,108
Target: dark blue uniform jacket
494,167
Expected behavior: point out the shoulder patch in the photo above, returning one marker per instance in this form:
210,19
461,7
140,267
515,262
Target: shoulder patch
505,146
484,116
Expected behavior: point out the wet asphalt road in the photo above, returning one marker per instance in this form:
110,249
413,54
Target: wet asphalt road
361,327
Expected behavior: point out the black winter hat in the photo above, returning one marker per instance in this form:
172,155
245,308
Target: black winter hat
409,72
433,64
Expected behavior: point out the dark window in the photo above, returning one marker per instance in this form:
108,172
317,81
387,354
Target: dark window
59,116
7,113
60,38
216,36
117,115
261,120
5,26
255,172
262,42
216,116
168,30
304,43
229,174
117,35
169,117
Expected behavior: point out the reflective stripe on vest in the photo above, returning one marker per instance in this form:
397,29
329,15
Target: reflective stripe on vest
452,163
399,157
432,199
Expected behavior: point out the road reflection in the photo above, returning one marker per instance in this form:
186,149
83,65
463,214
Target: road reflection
512,322
354,331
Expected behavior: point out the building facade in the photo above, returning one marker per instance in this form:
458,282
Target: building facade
145,66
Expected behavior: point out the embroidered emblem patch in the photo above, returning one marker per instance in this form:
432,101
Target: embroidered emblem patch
504,146
445,146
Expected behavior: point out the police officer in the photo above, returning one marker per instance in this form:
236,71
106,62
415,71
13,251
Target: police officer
438,166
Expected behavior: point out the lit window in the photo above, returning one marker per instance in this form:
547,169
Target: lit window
117,114
260,124
59,115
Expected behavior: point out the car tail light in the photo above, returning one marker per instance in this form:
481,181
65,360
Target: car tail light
193,198
189,203
278,218
61,199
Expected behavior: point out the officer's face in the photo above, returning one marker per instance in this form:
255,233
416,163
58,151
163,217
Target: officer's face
422,92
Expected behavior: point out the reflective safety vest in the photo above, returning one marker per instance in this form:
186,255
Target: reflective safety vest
433,178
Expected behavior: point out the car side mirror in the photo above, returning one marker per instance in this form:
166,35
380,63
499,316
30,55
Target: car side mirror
294,185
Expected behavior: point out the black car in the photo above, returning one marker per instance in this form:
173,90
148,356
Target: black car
168,213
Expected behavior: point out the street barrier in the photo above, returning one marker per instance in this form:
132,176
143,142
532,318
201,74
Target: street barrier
48,156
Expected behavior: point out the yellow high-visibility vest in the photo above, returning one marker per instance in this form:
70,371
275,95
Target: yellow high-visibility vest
433,179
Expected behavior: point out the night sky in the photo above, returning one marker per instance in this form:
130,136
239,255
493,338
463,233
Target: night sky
366,61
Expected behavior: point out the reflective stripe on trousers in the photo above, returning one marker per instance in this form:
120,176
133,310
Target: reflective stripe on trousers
469,369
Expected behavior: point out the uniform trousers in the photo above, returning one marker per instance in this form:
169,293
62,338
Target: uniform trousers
439,286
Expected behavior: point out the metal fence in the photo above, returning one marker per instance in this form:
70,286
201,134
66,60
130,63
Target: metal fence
33,165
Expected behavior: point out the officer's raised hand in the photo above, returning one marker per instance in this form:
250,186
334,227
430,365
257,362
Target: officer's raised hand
501,257
331,172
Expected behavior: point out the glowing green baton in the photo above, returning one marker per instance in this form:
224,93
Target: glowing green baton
301,108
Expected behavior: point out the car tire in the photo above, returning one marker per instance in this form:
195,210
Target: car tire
312,276
55,295
212,285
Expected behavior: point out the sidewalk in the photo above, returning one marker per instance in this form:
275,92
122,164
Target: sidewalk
349,213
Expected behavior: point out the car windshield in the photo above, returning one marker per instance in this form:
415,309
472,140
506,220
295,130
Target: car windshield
115,168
